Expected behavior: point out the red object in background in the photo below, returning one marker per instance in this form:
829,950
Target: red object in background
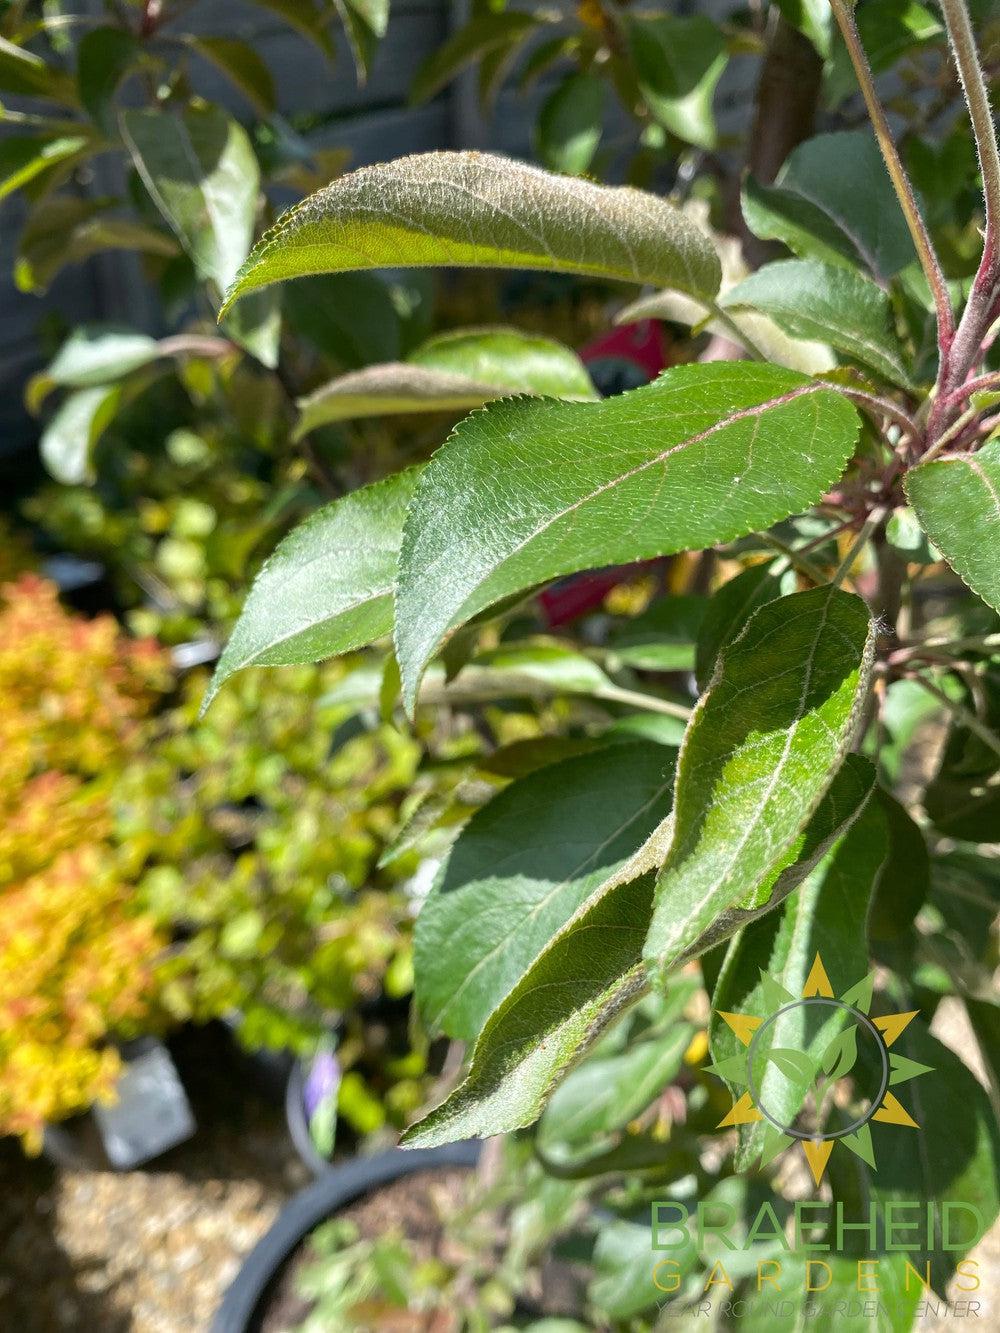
622,359
626,357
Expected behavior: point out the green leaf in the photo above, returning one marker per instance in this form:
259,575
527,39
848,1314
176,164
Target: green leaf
833,201
522,866
813,18
825,915
585,978
830,304
33,163
255,325
66,230
731,608
523,362
663,637
451,373
570,123
93,354
760,750
303,17
957,499
328,586
242,66
347,316
590,972
678,63
954,1154
704,454
612,1087
365,22
624,1261
68,441
838,1305
201,173
536,671
28,75
476,39
904,881
473,209
103,58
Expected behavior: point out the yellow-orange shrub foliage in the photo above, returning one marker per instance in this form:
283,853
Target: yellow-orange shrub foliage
75,958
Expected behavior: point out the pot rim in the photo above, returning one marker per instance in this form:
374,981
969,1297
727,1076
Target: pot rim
337,1187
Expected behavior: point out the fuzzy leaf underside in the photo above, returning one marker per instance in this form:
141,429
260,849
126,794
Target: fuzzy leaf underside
759,752
478,210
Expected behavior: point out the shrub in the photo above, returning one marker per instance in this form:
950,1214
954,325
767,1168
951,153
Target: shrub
76,958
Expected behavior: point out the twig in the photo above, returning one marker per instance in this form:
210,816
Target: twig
730,325
929,262
952,433
650,703
958,359
967,718
877,406
867,529
797,561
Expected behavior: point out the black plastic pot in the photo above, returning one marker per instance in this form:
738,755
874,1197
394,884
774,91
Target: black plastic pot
245,1302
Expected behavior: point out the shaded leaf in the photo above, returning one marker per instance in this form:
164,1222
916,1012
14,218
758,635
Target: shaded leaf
66,230
474,40
26,74
328,586
473,209
570,124
678,63
365,22
962,1166
731,607
304,18
450,373
522,866
347,316
957,499
760,750
661,638
201,173
585,978
103,58
825,915
829,304
242,66
702,455
833,201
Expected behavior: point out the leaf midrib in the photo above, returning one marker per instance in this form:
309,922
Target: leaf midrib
742,414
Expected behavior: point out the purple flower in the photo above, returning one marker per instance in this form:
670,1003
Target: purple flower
322,1081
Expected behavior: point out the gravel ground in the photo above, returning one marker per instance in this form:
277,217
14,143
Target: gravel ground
148,1251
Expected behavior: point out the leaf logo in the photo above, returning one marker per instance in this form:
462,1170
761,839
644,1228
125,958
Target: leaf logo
803,1079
